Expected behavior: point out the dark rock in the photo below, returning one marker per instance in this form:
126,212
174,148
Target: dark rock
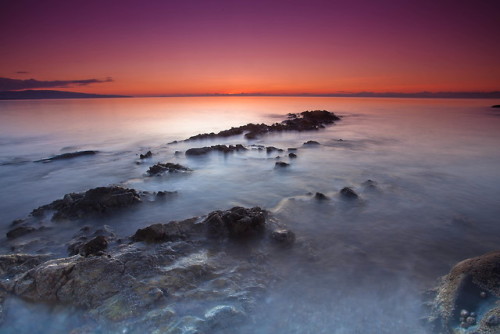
283,236
14,264
370,184
94,201
459,295
68,156
305,121
215,226
271,149
348,193
146,156
496,106
20,231
237,222
168,167
292,155
320,196
292,149
218,148
311,143
281,164
171,231
95,246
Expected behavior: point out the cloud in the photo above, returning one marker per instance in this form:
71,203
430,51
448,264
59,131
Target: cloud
22,72
19,84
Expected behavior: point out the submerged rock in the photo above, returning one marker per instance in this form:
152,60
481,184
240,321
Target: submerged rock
283,236
168,167
148,154
94,201
20,231
468,296
311,143
348,193
496,106
237,222
68,156
320,196
271,149
171,231
218,148
281,164
292,155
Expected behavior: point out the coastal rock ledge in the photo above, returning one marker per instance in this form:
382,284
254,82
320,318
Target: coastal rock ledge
467,300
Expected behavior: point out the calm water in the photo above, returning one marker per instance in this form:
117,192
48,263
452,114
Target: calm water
436,164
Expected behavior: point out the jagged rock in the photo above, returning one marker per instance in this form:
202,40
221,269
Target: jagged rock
94,201
311,143
468,297
68,156
281,164
237,222
19,231
168,167
348,193
320,196
271,149
171,231
95,246
218,148
283,236
292,155
148,154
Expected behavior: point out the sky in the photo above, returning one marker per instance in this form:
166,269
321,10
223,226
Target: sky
168,47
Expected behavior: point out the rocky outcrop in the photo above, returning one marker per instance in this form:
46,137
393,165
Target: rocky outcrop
311,143
281,164
148,154
161,168
237,222
467,300
217,148
71,155
348,193
304,121
171,231
94,201
496,106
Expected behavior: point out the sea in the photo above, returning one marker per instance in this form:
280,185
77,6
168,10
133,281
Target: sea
434,199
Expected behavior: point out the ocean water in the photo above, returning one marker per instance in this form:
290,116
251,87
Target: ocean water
436,202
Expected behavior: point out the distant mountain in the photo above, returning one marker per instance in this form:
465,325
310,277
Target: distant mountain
49,94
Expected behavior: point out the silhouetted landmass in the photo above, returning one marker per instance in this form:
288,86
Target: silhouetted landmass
439,95
49,94
496,106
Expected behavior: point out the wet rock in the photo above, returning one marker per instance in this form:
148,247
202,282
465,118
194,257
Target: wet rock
95,246
281,164
71,155
348,193
14,264
369,184
320,196
171,231
283,236
148,154
458,297
20,231
237,223
223,316
217,148
292,149
292,155
215,226
94,201
304,121
271,149
311,143
496,106
168,167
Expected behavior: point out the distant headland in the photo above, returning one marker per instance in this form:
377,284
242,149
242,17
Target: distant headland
50,94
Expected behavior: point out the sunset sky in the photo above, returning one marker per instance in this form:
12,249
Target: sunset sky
166,47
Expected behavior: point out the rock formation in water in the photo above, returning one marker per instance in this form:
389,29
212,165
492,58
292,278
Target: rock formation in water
66,156
161,168
217,148
467,300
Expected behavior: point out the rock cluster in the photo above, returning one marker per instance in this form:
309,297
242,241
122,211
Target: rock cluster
218,148
70,155
169,167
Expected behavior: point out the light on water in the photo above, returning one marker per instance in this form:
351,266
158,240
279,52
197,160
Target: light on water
434,164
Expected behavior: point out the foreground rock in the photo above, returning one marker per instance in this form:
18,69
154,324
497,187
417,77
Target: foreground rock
71,155
93,201
161,168
467,298
304,121
191,276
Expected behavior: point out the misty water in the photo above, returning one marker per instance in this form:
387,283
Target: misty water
435,163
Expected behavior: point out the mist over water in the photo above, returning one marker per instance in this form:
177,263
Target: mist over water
435,164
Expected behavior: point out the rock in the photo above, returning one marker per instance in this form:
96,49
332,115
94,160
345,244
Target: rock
215,226
65,156
496,106
320,196
19,231
168,167
292,149
292,155
281,164
171,231
95,246
283,236
218,148
305,121
148,154
94,201
369,184
311,143
271,149
348,193
222,316
14,264
459,295
236,223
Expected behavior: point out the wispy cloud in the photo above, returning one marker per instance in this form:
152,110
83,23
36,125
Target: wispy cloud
18,84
